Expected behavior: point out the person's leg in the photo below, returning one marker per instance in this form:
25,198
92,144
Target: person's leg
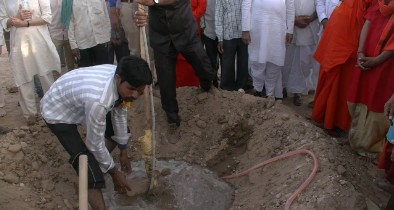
100,54
68,55
165,68
72,142
86,58
227,81
257,72
131,30
196,56
242,65
46,81
111,53
272,78
211,47
27,99
38,86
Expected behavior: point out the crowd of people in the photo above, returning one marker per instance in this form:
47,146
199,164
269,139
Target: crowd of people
340,50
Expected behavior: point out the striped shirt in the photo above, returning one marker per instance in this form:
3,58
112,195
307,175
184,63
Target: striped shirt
85,96
228,19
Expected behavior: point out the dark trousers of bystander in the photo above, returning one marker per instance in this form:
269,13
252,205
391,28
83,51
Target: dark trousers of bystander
96,55
211,47
234,76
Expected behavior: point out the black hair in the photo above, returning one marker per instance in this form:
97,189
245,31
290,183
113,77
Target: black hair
134,70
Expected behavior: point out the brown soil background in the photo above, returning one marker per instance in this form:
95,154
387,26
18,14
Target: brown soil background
226,132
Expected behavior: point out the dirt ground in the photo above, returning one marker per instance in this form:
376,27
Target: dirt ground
226,132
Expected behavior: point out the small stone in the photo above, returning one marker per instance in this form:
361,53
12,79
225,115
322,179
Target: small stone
201,124
11,178
35,165
202,96
21,185
23,144
342,182
341,169
285,117
19,133
15,148
25,128
48,185
1,173
68,204
277,196
197,133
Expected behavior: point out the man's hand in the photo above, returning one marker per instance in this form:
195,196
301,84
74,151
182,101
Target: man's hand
120,183
246,37
140,18
76,53
389,108
24,14
220,47
324,22
289,38
124,161
146,2
301,21
17,22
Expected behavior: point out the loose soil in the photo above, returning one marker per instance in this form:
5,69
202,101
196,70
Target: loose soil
226,132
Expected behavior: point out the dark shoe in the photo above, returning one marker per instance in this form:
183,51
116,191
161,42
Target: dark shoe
284,92
205,85
173,118
297,100
258,93
215,83
278,99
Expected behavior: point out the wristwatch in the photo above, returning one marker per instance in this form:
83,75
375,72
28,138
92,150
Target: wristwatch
155,2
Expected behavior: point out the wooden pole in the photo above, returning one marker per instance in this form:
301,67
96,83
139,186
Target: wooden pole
83,182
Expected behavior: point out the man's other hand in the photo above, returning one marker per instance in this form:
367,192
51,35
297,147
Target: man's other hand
120,183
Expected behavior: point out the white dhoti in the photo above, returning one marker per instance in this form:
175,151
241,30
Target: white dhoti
27,96
298,69
267,75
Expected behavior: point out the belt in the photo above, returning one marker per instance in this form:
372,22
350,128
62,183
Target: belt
129,1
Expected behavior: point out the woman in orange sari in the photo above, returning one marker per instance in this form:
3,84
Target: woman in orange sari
372,82
336,54
184,71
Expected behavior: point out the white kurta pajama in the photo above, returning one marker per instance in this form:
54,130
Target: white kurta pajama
32,51
268,21
299,61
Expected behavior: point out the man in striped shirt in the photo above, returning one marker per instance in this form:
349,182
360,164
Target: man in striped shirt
85,96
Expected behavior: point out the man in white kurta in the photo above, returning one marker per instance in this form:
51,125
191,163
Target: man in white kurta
90,31
32,51
299,62
266,26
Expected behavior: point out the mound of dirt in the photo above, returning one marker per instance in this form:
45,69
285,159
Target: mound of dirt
226,132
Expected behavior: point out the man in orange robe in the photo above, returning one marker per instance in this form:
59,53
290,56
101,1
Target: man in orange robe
336,53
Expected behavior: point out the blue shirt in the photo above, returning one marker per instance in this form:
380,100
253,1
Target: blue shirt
112,3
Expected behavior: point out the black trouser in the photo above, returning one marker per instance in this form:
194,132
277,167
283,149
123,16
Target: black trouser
94,56
211,47
71,140
165,63
118,51
234,78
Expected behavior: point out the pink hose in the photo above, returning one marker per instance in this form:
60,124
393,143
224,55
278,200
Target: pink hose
300,189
